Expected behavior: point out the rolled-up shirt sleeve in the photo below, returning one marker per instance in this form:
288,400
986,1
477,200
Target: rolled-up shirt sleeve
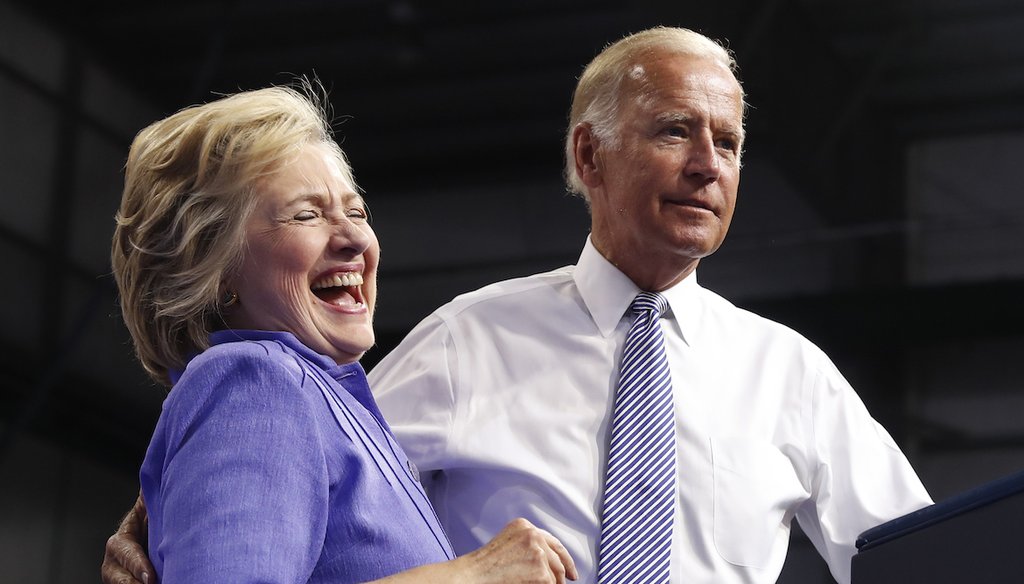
862,477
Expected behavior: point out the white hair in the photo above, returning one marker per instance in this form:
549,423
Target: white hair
598,92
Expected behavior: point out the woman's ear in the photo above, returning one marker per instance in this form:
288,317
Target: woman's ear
228,298
585,155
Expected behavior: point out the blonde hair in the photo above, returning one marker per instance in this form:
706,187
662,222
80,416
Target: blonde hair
599,90
188,194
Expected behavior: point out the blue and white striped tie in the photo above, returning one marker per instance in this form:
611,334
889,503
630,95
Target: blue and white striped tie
640,479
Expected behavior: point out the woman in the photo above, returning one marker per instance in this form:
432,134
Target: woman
247,273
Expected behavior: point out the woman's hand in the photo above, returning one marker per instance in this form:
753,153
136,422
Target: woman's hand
520,554
124,558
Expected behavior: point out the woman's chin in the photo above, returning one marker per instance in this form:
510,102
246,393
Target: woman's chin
352,347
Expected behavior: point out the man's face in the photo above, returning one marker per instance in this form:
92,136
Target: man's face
665,196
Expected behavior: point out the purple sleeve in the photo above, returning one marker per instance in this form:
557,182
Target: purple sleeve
243,491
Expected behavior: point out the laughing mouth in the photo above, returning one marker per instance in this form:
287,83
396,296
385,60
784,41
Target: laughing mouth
340,289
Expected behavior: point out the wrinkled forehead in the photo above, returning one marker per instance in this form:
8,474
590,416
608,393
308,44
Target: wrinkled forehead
316,168
684,76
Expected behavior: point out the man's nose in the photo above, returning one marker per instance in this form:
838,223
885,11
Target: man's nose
702,160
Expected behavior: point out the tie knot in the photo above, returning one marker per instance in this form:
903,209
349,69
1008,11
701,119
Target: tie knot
649,301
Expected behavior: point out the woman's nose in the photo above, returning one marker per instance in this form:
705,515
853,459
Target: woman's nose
350,237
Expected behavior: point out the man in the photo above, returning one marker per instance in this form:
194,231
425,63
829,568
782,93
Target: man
504,397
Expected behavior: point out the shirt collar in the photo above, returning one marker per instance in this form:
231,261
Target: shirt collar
607,294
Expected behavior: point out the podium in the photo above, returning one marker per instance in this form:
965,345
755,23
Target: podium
974,537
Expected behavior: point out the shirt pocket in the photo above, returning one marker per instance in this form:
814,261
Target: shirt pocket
755,488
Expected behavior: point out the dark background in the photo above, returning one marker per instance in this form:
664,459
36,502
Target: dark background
879,211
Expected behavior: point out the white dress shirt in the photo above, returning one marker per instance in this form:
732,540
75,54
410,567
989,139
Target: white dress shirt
503,399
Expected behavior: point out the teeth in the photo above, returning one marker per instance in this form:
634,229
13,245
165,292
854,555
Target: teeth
343,279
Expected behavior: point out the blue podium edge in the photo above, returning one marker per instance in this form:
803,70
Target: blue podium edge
956,505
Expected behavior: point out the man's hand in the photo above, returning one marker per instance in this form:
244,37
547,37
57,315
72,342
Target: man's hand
124,558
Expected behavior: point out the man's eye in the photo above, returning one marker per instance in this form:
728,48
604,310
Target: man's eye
306,215
357,212
676,132
727,144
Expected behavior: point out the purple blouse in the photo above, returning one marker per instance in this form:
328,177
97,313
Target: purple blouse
270,463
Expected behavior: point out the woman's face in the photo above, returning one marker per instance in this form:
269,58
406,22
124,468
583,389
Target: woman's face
310,259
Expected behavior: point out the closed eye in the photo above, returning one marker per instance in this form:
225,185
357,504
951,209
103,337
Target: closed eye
306,215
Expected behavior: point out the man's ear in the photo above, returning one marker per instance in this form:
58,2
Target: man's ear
584,149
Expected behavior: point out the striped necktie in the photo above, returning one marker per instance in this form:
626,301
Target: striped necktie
640,478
